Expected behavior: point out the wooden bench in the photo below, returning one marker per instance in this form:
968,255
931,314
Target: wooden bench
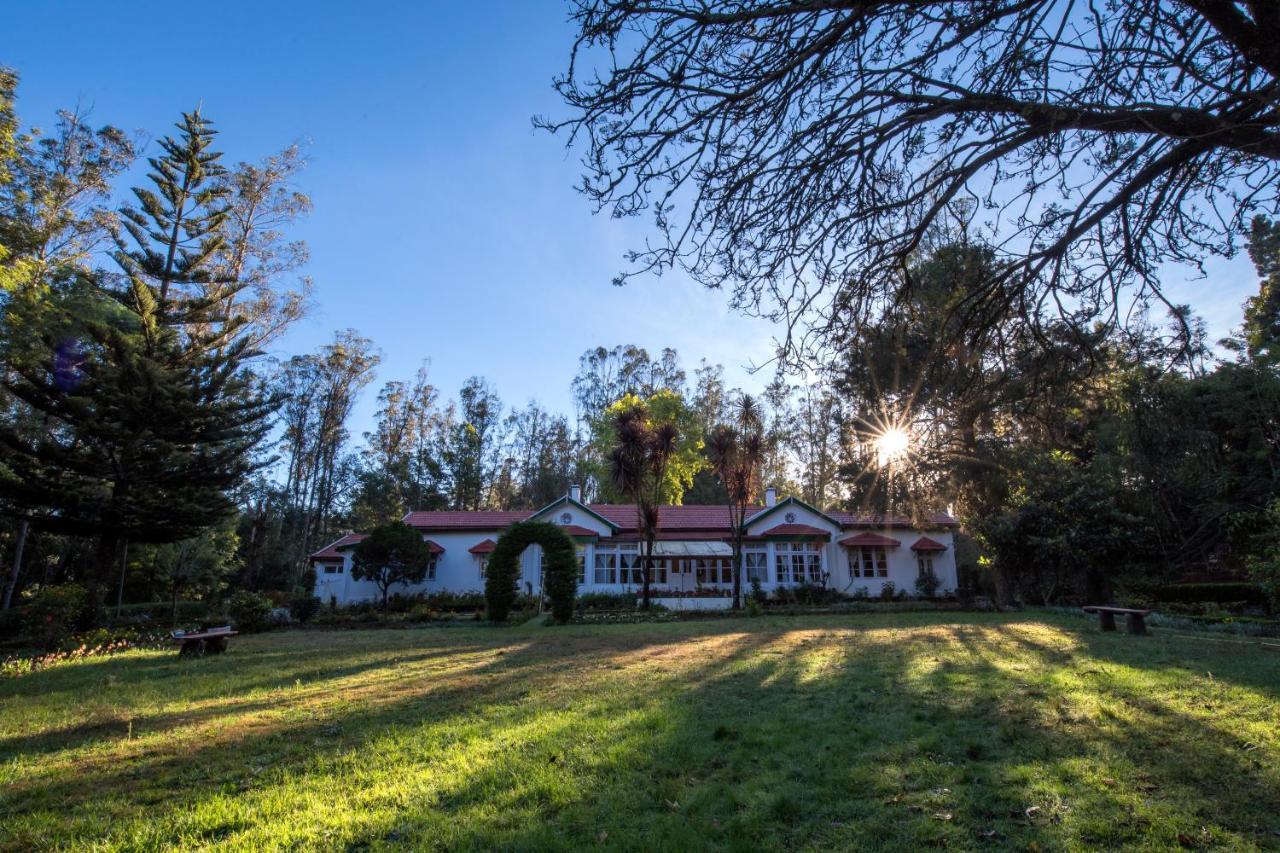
1135,619
206,641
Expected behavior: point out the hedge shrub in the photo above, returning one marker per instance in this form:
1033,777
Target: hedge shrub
304,607
54,613
559,565
1217,592
249,611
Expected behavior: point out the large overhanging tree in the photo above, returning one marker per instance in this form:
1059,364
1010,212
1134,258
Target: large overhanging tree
800,151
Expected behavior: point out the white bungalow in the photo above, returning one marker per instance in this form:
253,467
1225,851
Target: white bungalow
787,543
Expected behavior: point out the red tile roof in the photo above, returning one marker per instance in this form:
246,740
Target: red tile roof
330,553
688,517
924,543
485,547
873,539
671,519
462,520
577,530
795,530
883,522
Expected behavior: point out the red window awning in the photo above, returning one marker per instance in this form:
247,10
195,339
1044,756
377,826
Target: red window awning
874,540
924,543
485,547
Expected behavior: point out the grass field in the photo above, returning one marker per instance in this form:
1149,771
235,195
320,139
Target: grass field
892,731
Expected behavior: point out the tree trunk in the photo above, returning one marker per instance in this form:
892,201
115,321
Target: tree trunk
103,569
646,568
1004,590
124,567
16,569
173,617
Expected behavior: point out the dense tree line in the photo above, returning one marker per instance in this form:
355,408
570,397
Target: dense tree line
150,451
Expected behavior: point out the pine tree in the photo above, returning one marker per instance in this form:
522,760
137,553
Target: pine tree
152,412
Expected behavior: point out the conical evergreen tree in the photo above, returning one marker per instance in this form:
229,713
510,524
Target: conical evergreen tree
151,412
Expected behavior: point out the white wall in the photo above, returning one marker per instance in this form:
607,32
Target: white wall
903,569
457,570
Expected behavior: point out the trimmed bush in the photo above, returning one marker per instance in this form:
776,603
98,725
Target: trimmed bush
250,612
1221,593
606,601
304,607
808,594
927,585
454,602
53,613
559,569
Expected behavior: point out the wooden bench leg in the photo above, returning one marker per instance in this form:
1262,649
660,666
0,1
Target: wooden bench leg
1107,620
192,649
1137,625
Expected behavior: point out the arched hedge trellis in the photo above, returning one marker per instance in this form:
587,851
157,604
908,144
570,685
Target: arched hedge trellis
559,569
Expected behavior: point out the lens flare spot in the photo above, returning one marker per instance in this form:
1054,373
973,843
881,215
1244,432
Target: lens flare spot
892,445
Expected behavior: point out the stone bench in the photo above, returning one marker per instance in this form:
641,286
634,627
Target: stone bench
1135,619
207,641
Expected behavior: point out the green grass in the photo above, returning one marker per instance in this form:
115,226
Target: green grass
893,731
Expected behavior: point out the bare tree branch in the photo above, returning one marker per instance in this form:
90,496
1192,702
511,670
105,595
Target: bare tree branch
799,153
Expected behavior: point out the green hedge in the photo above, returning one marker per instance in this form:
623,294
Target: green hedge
157,612
1221,593
606,601
559,569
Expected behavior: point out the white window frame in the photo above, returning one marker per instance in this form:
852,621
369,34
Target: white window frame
617,564
333,568
604,569
799,562
870,561
755,564
924,564
431,567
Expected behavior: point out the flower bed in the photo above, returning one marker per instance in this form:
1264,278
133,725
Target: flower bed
96,643
693,602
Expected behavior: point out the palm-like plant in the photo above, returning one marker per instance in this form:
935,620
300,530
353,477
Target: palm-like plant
736,452
638,468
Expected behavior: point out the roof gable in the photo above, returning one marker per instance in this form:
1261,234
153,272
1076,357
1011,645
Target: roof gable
333,551
580,505
795,531
768,511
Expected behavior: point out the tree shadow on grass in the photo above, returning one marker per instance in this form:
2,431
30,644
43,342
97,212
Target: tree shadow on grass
814,732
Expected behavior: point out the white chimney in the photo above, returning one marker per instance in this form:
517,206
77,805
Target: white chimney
771,496
575,493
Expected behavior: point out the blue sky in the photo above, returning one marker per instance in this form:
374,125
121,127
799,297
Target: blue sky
445,227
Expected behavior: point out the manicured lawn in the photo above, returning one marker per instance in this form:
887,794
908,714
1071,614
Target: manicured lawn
896,731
